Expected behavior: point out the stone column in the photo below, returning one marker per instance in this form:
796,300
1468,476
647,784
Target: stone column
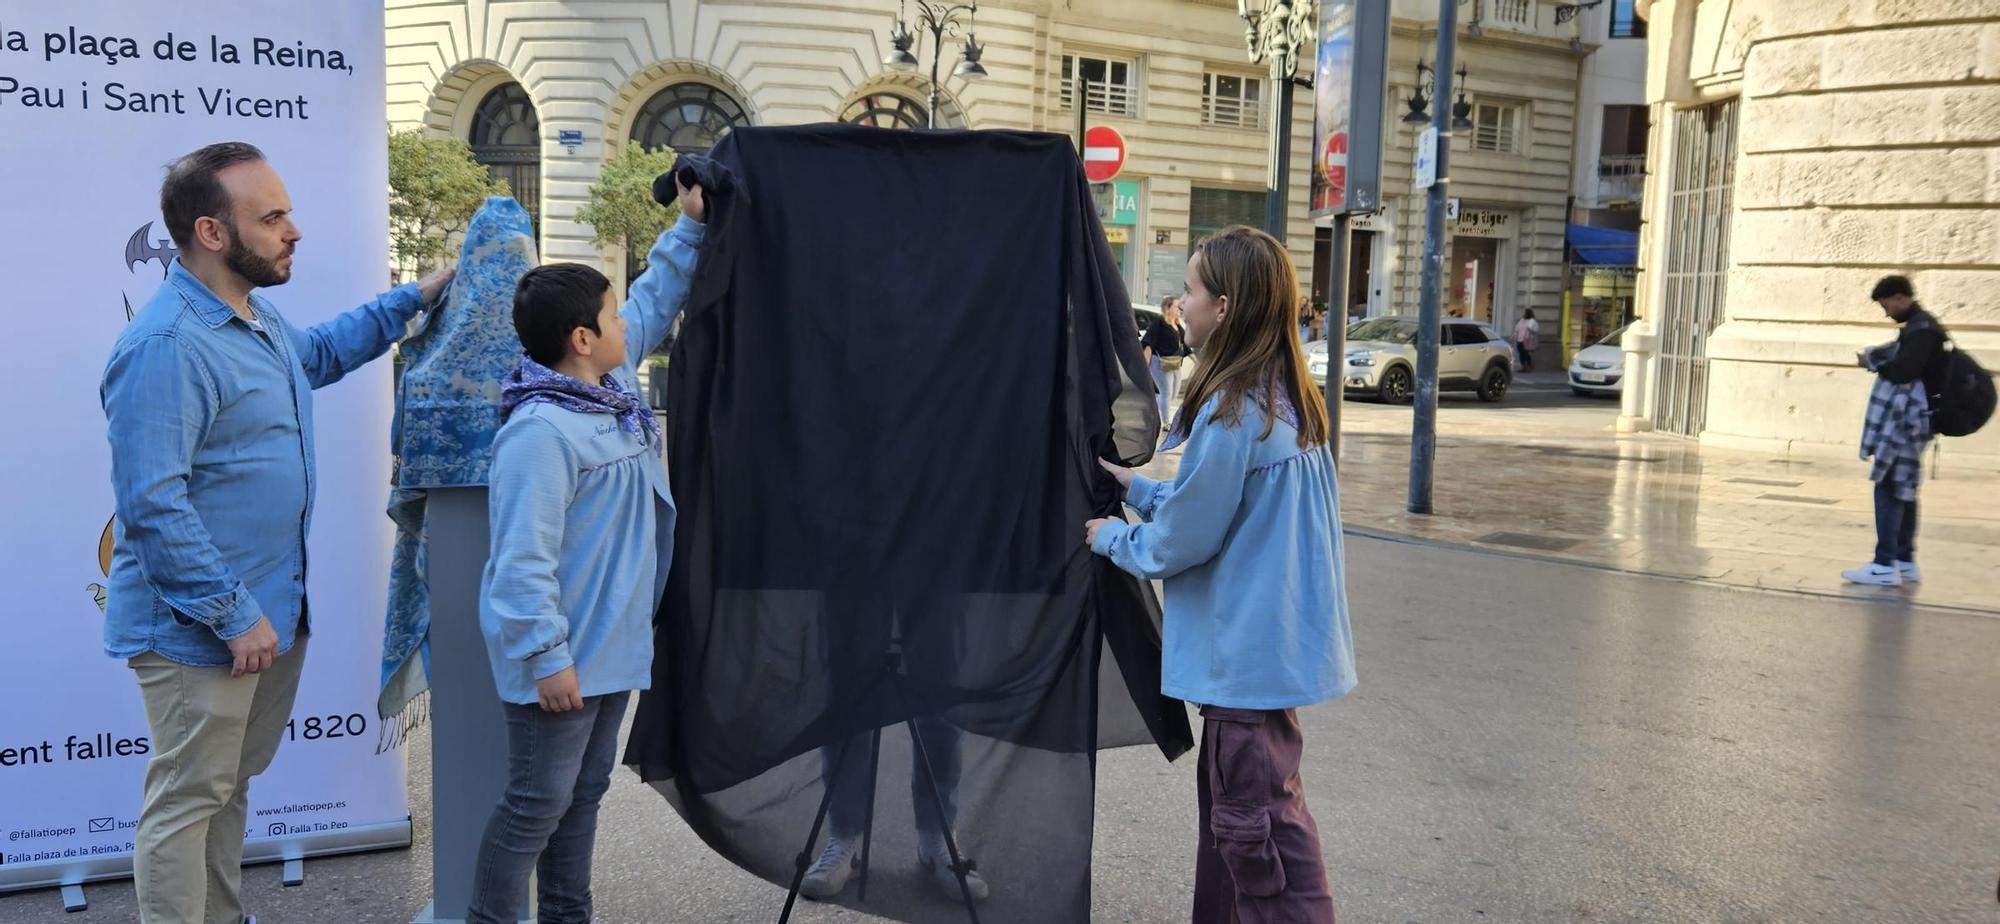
1869,143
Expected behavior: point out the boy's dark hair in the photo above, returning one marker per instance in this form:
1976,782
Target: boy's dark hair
192,192
1892,285
553,301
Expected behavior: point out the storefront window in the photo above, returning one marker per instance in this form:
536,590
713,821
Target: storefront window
1118,208
1474,265
1211,210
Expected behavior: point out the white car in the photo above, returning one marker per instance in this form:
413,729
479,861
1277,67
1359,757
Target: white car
1381,359
1599,369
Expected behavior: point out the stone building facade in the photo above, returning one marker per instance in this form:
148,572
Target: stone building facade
1510,173
1170,75
1802,150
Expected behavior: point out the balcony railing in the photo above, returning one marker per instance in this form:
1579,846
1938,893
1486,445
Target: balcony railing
1235,113
1621,178
1519,14
1111,98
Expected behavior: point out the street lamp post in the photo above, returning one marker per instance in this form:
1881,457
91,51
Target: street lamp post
1275,35
1423,426
940,20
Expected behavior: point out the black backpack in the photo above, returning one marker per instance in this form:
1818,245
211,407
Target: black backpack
1966,401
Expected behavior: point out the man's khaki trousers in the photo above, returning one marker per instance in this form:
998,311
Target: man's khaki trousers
211,734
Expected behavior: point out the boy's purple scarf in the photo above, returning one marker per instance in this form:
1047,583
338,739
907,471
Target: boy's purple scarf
531,382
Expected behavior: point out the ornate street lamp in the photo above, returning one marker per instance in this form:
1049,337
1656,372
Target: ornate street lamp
940,20
1274,35
1419,101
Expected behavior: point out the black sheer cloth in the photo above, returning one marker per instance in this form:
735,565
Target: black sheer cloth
902,356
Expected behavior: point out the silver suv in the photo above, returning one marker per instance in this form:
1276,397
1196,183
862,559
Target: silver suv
1382,359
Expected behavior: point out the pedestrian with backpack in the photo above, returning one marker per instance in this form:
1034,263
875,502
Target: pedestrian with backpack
1924,387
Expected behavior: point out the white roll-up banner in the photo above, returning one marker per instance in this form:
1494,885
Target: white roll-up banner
96,97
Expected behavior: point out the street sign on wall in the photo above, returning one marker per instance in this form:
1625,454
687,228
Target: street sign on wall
1427,158
1124,203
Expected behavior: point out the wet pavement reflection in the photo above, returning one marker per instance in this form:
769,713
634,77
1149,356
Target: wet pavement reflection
1547,474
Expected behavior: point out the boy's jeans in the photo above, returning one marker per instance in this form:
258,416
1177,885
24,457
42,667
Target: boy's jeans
558,767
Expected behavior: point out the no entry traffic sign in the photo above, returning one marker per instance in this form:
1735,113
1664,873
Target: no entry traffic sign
1103,153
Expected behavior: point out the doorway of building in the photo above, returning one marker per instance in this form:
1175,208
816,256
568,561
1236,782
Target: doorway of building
1475,270
1361,275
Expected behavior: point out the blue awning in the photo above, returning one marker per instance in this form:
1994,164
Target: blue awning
1604,246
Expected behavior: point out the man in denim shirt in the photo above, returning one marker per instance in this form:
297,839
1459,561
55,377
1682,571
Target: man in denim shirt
208,397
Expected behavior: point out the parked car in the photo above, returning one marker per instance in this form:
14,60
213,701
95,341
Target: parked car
1381,359
1599,369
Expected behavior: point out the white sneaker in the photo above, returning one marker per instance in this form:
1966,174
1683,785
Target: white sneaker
1907,570
1875,575
935,858
828,874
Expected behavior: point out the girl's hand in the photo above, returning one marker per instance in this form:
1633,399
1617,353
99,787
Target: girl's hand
1123,474
1090,530
692,203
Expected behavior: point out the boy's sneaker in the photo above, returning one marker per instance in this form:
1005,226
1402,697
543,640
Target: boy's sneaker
1907,570
1875,575
935,858
828,874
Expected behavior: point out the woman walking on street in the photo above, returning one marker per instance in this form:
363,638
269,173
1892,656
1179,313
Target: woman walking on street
1527,335
1166,351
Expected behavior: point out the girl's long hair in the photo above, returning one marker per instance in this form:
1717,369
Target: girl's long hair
1255,350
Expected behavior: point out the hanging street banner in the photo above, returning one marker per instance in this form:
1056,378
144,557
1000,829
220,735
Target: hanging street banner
1350,78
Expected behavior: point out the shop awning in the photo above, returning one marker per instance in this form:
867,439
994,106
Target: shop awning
1604,246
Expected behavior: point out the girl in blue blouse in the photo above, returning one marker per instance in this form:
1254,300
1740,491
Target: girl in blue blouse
1246,541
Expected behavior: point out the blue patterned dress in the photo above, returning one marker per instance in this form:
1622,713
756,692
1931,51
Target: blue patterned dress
447,412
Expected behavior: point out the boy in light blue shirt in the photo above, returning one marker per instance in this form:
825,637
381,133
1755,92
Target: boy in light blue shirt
582,536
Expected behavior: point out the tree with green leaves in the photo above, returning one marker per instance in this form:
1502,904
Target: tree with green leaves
621,211
434,188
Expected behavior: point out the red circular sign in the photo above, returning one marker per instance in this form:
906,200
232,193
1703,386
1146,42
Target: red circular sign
1103,153
1333,165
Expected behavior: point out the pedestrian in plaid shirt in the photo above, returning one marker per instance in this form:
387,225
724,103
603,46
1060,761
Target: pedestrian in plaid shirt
1898,427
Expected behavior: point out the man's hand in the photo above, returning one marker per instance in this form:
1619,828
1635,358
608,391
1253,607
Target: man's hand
432,286
559,692
1120,472
254,650
1090,530
691,202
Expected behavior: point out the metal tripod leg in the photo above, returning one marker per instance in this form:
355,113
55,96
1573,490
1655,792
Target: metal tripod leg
959,867
868,822
805,853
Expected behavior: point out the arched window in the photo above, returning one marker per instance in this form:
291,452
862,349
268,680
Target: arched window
687,117
884,110
506,137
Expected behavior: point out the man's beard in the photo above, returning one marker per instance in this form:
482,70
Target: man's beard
261,272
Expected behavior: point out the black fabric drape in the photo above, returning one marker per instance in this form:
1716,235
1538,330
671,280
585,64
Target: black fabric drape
901,357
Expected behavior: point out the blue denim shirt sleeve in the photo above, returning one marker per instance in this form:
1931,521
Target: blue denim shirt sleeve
534,479
329,351
159,402
1144,495
660,292
1191,520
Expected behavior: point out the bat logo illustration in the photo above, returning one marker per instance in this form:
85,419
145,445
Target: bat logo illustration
141,249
